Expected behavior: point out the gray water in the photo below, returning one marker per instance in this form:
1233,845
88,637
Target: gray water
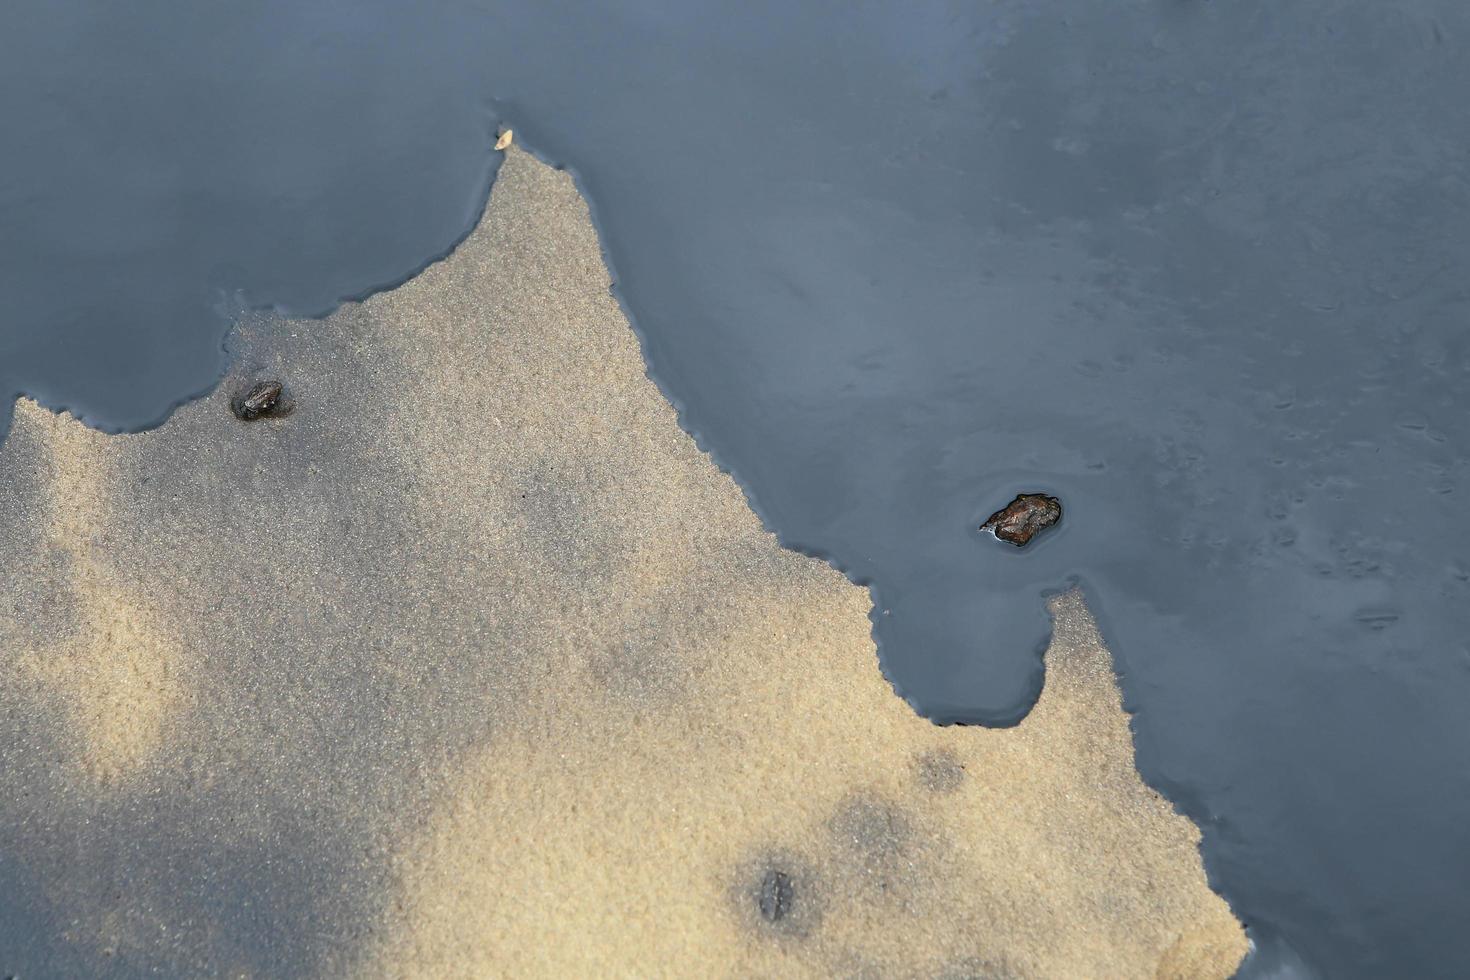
1197,269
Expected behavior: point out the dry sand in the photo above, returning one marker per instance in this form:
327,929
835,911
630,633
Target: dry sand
475,665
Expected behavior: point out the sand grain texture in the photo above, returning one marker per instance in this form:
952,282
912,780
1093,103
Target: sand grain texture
476,666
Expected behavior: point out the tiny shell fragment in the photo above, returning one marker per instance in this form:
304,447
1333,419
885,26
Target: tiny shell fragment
505,139
1023,518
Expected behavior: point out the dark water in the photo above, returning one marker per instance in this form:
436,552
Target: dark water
1198,269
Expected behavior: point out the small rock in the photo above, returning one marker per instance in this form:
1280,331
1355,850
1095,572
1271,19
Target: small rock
776,895
1023,518
264,399
506,137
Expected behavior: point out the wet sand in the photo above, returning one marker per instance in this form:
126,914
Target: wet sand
476,665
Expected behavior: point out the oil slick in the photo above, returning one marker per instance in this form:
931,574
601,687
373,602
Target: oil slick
481,675
1189,265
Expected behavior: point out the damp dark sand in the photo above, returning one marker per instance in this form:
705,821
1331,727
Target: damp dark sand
476,665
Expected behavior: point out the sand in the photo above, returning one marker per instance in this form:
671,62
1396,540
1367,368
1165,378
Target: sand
475,665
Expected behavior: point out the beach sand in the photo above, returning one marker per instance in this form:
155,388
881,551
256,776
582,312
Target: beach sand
475,665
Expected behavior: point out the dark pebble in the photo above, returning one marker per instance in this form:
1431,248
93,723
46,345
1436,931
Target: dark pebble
776,896
265,399
1023,518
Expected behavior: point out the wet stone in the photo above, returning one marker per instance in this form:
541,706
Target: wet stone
776,896
1023,518
265,399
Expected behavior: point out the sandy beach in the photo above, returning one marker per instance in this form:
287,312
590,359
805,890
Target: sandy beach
475,665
